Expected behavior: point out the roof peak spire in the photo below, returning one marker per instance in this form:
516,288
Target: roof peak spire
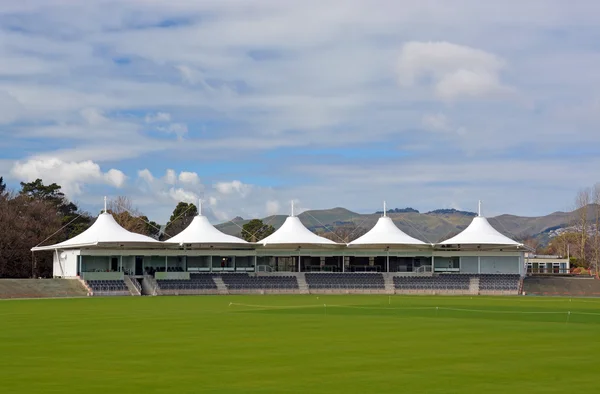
384,209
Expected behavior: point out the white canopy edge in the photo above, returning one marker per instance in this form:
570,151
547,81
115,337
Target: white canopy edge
385,232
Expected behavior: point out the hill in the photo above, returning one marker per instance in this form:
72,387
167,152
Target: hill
432,226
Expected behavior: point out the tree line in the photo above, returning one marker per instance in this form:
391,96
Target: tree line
38,214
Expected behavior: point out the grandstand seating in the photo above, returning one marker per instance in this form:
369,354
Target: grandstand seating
244,281
438,283
196,282
498,282
356,281
108,287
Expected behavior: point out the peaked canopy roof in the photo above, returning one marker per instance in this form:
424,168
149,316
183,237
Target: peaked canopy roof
105,230
200,231
293,232
385,232
480,232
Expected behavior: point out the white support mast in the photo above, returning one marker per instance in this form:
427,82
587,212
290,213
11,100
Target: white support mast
105,210
384,210
199,207
292,208
479,209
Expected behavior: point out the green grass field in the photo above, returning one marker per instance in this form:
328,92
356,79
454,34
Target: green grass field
285,344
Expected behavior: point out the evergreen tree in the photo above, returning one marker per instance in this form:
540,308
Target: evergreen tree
66,210
255,230
182,216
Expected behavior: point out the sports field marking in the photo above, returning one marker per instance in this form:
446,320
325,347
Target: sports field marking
390,308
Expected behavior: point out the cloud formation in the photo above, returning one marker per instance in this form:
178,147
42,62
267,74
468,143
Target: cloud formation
455,71
72,176
250,106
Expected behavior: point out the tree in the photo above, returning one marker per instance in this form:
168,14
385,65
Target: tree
345,233
596,233
2,186
26,222
255,230
74,220
531,242
582,202
182,216
127,216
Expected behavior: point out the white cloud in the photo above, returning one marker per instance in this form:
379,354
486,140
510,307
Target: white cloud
233,187
93,116
158,117
457,71
71,176
272,207
170,177
189,178
179,129
436,122
439,122
180,194
212,201
146,175
115,177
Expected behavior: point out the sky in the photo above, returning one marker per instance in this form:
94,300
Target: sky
249,105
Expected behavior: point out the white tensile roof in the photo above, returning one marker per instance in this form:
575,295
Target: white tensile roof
480,232
105,230
386,233
293,232
200,231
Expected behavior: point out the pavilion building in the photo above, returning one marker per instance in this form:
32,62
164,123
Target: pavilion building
386,248
295,248
108,251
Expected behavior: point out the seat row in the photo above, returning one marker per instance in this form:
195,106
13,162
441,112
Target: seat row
345,281
107,286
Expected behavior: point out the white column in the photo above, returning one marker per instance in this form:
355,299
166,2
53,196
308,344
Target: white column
387,261
432,263
255,263
166,263
299,263
121,263
479,264
80,258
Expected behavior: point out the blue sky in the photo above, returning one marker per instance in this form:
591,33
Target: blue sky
250,105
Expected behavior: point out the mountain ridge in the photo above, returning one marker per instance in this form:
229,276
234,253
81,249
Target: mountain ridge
432,226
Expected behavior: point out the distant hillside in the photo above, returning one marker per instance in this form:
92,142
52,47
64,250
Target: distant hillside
451,212
432,226
398,210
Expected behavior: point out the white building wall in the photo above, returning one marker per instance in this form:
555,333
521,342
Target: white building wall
65,263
